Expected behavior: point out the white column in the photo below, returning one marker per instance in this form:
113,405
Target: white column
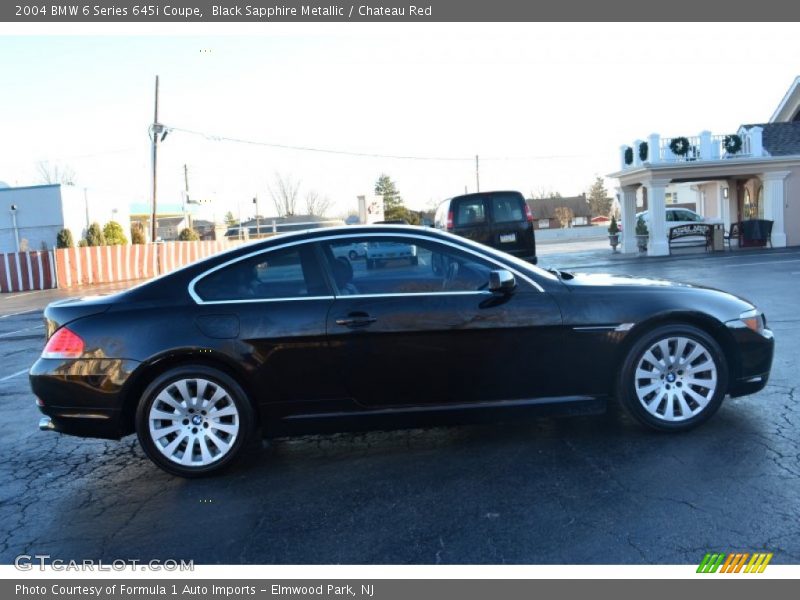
654,148
705,146
628,208
725,203
637,162
622,164
756,141
657,210
774,203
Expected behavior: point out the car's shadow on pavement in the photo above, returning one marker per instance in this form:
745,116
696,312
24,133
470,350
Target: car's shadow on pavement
534,491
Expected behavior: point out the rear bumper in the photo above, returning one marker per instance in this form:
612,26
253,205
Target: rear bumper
81,397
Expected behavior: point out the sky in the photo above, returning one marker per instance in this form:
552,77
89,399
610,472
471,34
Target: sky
545,106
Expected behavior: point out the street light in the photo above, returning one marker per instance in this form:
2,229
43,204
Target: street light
13,211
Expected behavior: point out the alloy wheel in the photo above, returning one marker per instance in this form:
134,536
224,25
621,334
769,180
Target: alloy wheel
193,422
676,378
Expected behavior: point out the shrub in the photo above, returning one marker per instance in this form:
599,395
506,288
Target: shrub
613,229
137,234
94,235
64,239
641,227
114,234
188,235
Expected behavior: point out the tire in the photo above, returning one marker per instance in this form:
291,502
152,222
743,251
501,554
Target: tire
673,378
174,395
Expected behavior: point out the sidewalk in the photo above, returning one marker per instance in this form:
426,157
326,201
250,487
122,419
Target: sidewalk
584,255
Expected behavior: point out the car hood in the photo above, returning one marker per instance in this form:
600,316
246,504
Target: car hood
609,280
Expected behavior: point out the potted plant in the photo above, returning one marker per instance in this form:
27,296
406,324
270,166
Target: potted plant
642,234
613,233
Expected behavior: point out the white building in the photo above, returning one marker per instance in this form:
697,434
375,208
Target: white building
32,216
752,173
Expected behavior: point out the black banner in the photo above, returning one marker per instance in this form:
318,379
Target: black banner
391,589
243,11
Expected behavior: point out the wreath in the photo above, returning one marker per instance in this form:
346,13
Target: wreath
643,151
732,143
628,155
679,146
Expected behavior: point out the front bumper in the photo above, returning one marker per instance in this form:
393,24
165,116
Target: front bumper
756,351
81,397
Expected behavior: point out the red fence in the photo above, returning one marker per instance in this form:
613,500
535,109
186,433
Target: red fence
103,264
24,271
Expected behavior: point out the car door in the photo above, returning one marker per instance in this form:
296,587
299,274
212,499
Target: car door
511,230
407,335
274,304
471,218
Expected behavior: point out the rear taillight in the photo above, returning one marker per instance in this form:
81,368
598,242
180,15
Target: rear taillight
63,344
528,213
449,220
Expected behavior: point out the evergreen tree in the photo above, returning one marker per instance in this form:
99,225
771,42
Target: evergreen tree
64,239
94,235
599,202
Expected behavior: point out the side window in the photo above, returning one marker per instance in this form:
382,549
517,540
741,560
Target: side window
286,273
470,211
507,209
398,265
672,215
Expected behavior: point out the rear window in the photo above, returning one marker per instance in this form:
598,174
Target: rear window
470,211
269,275
507,208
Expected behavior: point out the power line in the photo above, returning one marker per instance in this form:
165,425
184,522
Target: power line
222,138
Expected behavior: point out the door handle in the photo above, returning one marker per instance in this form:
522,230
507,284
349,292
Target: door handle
356,320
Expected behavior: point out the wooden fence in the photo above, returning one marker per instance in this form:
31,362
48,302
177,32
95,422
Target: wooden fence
70,267
105,264
24,271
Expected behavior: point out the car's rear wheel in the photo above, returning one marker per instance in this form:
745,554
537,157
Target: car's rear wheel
194,421
674,378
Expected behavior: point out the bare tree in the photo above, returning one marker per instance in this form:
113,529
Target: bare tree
55,173
284,194
545,192
564,215
317,205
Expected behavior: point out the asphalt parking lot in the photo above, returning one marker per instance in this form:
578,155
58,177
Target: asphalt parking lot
583,490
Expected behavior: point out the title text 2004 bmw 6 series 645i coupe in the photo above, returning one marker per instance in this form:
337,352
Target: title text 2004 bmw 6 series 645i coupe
289,336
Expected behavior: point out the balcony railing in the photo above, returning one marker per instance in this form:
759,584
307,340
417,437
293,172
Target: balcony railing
703,147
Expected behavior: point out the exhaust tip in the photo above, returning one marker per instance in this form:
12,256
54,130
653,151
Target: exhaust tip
46,424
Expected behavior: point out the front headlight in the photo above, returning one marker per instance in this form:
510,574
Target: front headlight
754,320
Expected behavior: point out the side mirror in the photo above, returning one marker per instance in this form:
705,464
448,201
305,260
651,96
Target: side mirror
502,281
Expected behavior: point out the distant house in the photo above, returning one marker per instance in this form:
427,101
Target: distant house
545,210
267,226
168,226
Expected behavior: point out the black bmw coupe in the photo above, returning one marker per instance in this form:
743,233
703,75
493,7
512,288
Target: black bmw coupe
292,335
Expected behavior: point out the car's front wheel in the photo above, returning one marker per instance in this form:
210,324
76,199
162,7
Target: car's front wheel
673,378
194,421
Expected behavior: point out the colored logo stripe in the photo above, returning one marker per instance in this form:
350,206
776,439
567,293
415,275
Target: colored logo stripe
734,562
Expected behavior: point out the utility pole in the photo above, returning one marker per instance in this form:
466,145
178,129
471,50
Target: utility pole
156,130
258,224
186,214
477,175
